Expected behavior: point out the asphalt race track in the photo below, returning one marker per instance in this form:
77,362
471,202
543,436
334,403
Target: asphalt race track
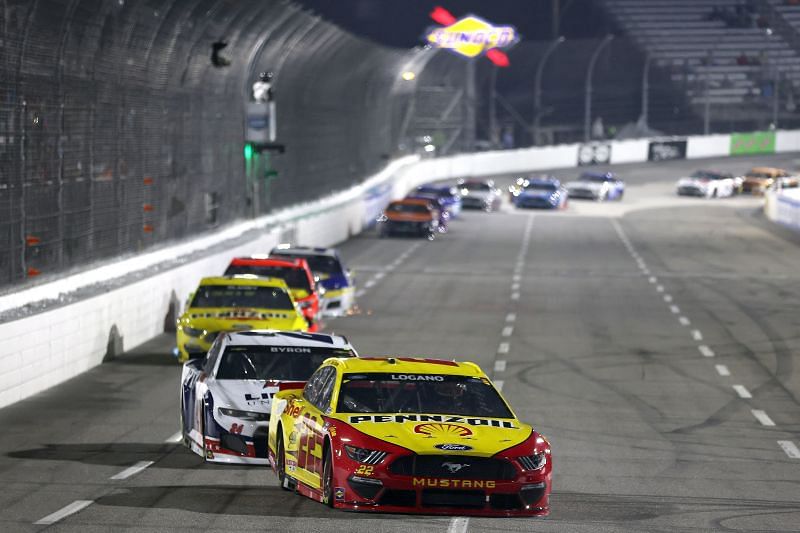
655,341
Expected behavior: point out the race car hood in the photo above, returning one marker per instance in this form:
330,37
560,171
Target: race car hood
408,217
483,195
245,395
452,434
590,185
226,319
537,194
693,182
333,282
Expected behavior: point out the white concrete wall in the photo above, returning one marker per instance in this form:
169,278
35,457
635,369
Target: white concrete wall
48,348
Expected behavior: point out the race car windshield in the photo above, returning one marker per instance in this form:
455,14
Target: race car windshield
288,363
241,296
407,208
476,186
319,264
540,187
593,177
706,175
296,278
421,394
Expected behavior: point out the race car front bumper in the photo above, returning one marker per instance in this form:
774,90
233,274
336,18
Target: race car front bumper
337,302
381,489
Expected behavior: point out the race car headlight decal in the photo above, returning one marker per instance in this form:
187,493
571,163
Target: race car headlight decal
244,415
533,462
192,332
363,455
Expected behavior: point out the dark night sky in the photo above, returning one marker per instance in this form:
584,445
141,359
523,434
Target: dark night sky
401,23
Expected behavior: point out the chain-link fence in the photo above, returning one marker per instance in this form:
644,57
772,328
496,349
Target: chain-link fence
122,128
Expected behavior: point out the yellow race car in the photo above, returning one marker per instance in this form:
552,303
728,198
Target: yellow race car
408,435
234,303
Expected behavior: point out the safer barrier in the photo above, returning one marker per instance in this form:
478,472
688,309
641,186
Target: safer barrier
48,348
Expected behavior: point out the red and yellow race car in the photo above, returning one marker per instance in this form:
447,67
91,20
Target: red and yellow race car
408,435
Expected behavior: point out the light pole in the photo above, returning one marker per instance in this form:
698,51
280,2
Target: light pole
645,91
587,119
537,88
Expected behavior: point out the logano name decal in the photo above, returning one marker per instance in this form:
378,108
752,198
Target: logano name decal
452,419
417,377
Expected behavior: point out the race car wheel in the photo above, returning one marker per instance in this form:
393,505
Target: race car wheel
280,458
327,478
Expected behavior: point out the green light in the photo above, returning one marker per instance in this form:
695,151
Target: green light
248,151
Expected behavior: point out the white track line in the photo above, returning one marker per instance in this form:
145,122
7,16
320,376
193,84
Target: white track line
515,296
458,525
133,470
660,288
175,437
370,283
790,449
696,335
507,331
360,293
503,348
762,417
684,321
516,277
667,298
742,391
706,351
722,370
74,507
652,279
511,317
515,286
380,275
500,365
674,309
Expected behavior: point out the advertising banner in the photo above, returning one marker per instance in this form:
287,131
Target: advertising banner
757,142
594,154
666,150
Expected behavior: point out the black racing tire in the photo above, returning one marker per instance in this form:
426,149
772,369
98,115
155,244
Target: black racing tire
280,461
327,477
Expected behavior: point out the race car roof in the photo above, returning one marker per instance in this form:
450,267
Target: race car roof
269,261
270,337
245,280
411,365
305,250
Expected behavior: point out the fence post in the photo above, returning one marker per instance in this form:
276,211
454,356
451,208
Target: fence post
23,171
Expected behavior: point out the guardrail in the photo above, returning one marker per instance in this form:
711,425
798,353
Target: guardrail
50,347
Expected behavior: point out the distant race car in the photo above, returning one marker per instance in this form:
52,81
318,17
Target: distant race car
707,184
226,396
437,205
759,179
234,303
598,186
411,436
410,217
448,195
295,272
479,194
543,192
330,272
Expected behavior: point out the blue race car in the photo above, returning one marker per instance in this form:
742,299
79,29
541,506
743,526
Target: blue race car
447,194
598,186
338,294
544,192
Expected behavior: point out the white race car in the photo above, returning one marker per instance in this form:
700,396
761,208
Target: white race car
226,397
707,184
479,194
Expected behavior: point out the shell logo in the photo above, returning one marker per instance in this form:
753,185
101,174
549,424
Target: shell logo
433,431
471,36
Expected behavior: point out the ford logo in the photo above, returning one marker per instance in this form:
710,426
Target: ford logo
453,447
